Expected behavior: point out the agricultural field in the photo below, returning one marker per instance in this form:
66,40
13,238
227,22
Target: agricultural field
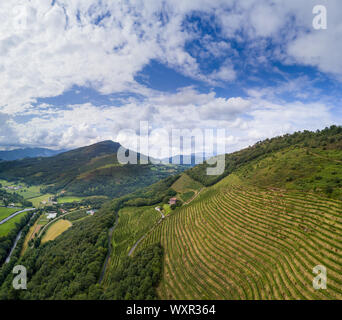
37,202
6,212
27,192
69,199
134,222
56,229
5,183
6,227
238,241
30,192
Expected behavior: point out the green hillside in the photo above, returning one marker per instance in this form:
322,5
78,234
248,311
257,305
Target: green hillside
87,171
237,241
325,144
256,232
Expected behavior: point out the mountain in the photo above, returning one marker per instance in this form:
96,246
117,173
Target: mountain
255,232
90,170
27,153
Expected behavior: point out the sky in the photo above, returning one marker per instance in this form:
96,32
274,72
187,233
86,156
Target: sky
76,72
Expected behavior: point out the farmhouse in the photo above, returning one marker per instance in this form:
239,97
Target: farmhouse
172,201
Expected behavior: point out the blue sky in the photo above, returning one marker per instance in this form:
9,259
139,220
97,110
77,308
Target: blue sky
78,72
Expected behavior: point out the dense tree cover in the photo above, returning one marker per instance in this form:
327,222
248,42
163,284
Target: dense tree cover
7,242
78,214
137,277
153,194
178,204
329,138
118,180
68,266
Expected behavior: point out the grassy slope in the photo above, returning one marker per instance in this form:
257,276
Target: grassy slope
6,212
186,188
298,169
6,227
26,191
327,141
70,199
37,202
185,184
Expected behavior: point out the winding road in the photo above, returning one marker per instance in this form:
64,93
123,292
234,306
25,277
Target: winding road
15,214
110,233
137,243
143,237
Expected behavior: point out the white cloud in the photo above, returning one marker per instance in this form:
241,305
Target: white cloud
225,73
60,46
46,50
246,120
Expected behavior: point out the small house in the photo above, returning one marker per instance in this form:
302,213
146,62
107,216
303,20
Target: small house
172,201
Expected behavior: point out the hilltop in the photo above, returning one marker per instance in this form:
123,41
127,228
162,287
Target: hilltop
306,161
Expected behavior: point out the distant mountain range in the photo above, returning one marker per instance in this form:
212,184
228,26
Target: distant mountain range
28,153
90,170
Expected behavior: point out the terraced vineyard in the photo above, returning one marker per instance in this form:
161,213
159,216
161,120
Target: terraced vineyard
241,242
134,223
